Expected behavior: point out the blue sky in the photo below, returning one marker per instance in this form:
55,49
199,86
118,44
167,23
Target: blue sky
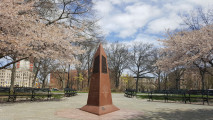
132,21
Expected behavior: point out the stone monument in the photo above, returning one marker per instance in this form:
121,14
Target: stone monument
99,100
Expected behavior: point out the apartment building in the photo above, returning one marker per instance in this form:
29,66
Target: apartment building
24,75
23,78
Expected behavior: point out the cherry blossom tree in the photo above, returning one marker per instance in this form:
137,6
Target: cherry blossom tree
189,48
24,35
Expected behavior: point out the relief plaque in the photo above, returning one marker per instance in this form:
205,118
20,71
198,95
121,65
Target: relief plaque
104,66
96,65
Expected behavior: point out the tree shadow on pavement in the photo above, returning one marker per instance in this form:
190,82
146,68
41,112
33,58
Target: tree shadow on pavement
200,114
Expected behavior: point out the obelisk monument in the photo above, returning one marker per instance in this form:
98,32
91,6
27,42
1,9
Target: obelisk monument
99,98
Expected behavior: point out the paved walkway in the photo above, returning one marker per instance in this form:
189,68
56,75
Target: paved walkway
130,108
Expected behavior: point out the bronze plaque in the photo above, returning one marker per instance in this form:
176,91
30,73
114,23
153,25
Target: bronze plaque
96,65
104,66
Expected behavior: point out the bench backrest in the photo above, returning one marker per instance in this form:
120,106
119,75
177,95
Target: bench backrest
210,92
198,92
23,90
4,89
130,90
41,90
69,90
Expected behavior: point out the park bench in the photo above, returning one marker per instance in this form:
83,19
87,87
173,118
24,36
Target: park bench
203,95
166,95
130,93
210,95
41,93
25,92
175,95
184,95
21,92
5,92
158,94
69,92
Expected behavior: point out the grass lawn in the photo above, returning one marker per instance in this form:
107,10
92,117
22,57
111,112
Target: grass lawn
57,91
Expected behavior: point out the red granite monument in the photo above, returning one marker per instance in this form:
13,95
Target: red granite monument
99,99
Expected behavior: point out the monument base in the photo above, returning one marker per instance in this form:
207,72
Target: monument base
99,110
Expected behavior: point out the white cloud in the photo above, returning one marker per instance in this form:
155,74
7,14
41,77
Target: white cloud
127,18
136,17
177,8
202,3
125,22
144,39
147,39
160,25
117,2
103,7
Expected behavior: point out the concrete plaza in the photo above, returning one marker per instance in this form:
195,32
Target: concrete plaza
130,108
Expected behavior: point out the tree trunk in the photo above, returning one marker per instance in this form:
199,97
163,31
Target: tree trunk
63,82
82,85
43,82
115,80
159,81
117,83
78,82
137,79
71,82
35,76
202,73
179,85
176,80
137,82
13,76
68,77
165,87
88,72
118,79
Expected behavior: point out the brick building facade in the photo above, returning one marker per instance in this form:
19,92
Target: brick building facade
59,80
